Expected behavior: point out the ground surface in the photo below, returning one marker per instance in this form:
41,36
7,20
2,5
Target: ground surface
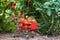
7,36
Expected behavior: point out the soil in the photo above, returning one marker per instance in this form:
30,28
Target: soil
8,36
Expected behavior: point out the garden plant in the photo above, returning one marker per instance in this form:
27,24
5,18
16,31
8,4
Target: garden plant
45,12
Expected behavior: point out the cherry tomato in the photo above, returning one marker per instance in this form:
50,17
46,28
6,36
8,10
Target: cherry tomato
5,0
13,16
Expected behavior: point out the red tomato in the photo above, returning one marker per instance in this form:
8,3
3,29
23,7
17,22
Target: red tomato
29,20
13,4
13,16
33,21
22,20
25,21
33,27
22,16
20,25
25,27
5,0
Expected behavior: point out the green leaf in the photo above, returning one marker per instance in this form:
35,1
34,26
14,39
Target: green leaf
56,9
11,0
47,3
45,6
58,0
1,14
49,12
39,9
18,5
1,0
6,16
0,11
59,9
56,3
8,11
53,0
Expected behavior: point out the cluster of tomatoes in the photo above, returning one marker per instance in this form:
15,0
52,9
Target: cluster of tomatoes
27,24
12,4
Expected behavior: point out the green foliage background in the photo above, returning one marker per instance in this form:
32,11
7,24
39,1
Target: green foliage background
46,13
